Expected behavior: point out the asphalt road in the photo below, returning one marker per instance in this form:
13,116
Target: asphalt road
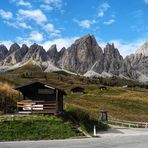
115,138
109,142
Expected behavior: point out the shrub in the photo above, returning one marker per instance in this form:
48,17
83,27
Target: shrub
8,98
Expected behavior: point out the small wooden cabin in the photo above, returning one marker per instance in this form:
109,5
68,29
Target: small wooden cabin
102,87
78,90
40,98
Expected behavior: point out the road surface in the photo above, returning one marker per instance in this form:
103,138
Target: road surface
121,138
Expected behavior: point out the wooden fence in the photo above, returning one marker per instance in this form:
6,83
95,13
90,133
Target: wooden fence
130,124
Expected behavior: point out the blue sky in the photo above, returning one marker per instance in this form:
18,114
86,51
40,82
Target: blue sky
45,22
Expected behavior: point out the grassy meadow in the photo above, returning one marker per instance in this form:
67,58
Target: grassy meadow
126,104
121,103
36,128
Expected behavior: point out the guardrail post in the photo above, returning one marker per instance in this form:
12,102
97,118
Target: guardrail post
146,125
129,125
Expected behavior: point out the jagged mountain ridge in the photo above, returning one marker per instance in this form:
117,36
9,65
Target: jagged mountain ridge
84,56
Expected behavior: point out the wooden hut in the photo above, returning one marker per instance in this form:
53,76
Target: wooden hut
40,98
78,90
102,87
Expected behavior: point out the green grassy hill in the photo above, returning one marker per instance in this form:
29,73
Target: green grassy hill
127,104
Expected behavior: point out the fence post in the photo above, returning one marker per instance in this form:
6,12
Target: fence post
146,125
137,125
129,125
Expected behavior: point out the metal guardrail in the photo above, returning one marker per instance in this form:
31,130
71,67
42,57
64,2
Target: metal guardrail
129,124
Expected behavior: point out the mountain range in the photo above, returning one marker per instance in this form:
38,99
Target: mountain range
83,57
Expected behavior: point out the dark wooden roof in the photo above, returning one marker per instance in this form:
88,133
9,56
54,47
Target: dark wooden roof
39,84
77,88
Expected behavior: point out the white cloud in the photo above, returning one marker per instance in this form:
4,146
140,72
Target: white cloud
53,1
103,8
109,22
85,23
46,7
50,28
54,4
146,1
36,15
18,24
6,14
12,24
35,36
100,13
23,3
21,41
24,25
60,42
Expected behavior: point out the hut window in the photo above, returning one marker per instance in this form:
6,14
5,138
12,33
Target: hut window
45,91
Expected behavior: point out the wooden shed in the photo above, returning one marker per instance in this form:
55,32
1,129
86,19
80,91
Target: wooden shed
78,90
102,87
40,98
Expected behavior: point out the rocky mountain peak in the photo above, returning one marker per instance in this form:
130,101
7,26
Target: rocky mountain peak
87,39
111,51
3,52
13,55
52,54
110,46
36,52
82,54
24,46
13,48
112,59
61,52
34,46
143,49
53,48
24,49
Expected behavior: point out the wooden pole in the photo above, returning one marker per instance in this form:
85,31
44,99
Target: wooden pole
57,103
